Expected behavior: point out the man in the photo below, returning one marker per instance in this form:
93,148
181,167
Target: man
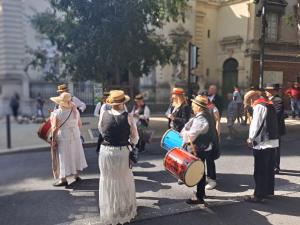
200,133
263,140
79,104
141,115
272,94
215,98
294,94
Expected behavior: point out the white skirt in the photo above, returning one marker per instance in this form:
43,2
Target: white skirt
117,199
71,156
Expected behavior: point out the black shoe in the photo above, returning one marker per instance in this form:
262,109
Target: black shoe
253,199
78,179
276,171
179,182
195,201
60,184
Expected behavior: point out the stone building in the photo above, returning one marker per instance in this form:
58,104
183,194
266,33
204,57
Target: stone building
228,33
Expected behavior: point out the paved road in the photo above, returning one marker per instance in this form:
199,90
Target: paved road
27,197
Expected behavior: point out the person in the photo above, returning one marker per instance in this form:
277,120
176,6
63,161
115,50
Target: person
101,106
200,133
209,159
247,104
79,104
39,106
141,115
273,95
117,198
66,143
294,94
14,105
180,111
213,111
232,111
238,100
215,98
263,140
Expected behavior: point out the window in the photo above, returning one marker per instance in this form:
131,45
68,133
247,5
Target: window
207,72
208,34
272,26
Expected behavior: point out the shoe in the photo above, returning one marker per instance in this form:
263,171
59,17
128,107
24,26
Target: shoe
179,182
77,179
276,171
211,184
195,201
60,184
253,199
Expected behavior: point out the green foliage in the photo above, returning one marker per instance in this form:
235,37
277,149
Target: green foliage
100,39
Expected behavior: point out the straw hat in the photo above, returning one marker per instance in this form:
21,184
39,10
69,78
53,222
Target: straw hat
178,91
117,97
251,95
63,100
62,88
201,101
139,97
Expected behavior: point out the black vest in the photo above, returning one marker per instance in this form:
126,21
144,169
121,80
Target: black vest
141,112
115,129
203,140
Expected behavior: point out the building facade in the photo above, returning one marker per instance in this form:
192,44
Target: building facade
228,35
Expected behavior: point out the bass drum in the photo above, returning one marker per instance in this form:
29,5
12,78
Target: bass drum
184,166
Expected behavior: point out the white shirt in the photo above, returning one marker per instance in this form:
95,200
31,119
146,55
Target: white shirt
97,109
211,98
145,116
79,104
192,129
134,136
259,116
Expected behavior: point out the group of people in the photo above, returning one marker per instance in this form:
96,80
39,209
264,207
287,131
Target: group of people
199,125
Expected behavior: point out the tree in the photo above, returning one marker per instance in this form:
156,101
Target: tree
101,40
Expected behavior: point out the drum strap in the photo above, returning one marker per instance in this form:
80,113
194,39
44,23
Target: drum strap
66,119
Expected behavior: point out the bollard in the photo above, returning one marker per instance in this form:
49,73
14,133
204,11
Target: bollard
8,134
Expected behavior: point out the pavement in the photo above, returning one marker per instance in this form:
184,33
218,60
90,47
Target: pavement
28,198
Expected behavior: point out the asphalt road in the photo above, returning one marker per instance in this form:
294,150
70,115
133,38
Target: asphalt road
28,198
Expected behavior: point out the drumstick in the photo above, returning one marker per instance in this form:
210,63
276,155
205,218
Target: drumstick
193,147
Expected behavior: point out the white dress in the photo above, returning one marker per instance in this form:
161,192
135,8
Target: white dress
117,198
70,150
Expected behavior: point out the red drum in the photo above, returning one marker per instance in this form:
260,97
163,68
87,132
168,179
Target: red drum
184,166
44,131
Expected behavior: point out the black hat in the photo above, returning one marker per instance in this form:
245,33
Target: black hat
272,87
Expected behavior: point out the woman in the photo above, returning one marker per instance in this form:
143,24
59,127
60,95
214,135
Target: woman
141,114
66,143
180,111
117,200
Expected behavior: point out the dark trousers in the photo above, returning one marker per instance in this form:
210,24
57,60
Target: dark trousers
264,175
277,155
201,185
210,165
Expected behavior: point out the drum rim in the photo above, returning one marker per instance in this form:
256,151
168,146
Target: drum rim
187,171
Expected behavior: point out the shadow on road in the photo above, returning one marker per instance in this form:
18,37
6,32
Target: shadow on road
44,207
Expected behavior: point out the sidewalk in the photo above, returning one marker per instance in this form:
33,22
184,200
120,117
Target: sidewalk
24,136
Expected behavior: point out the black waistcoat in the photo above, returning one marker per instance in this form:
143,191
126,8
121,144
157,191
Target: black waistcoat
211,136
115,129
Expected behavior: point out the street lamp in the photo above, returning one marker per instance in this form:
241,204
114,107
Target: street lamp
262,12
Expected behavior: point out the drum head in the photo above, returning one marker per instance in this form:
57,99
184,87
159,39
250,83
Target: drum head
194,173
